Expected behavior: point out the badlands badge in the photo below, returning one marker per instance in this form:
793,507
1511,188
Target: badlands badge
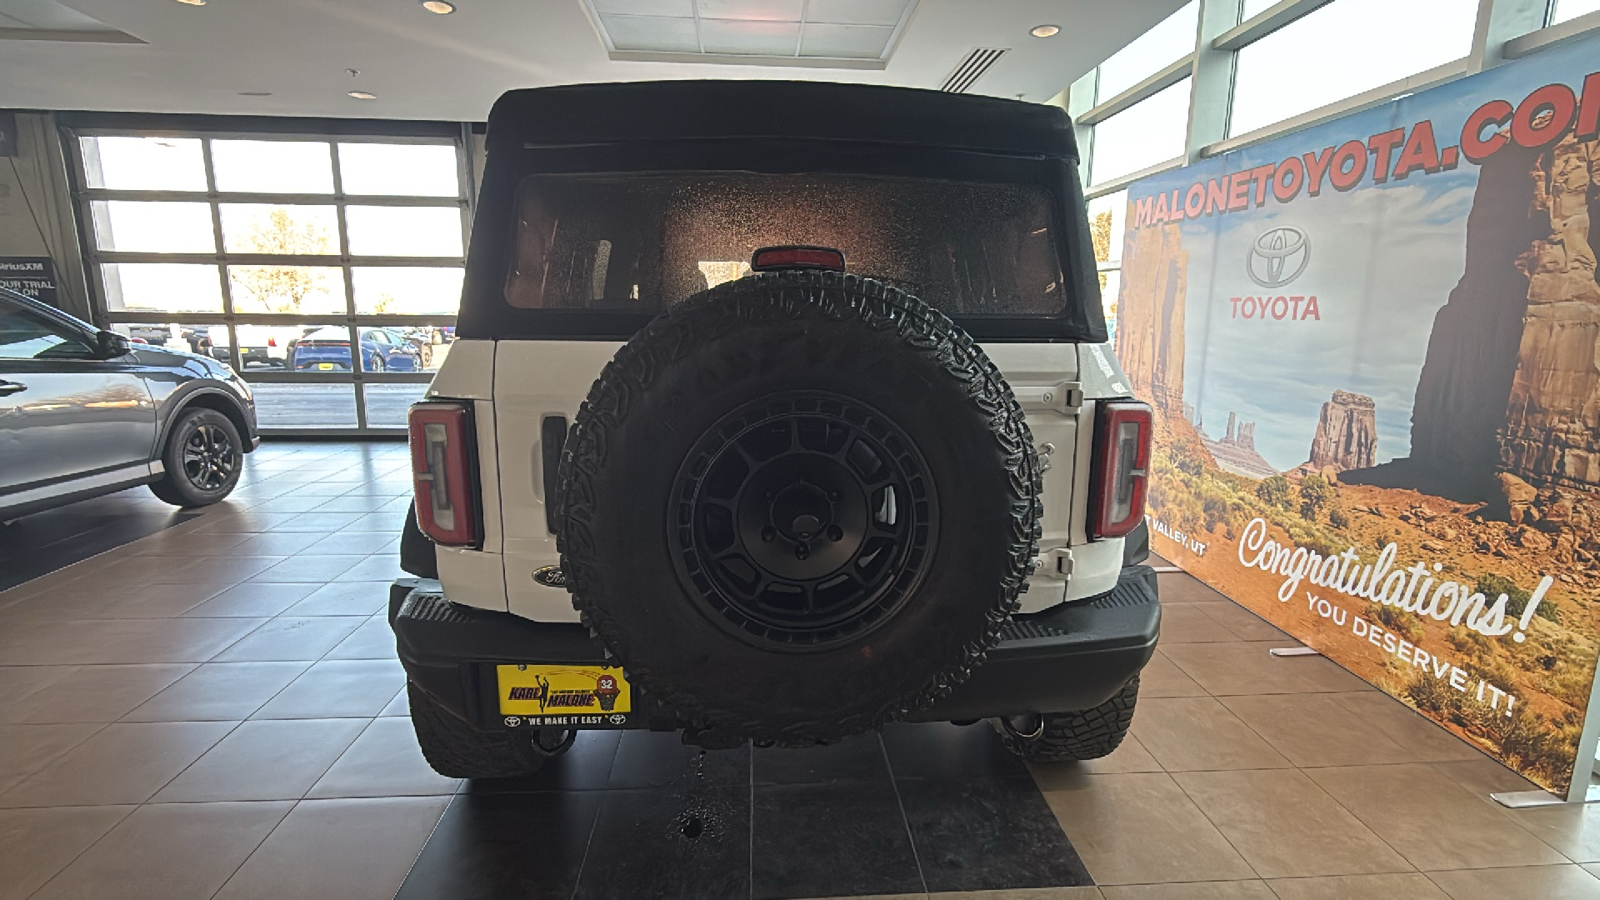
565,696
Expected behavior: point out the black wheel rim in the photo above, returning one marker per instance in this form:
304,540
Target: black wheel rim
209,457
803,520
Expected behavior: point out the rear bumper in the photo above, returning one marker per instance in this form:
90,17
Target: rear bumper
1073,656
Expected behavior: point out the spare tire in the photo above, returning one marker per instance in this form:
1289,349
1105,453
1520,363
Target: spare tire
797,506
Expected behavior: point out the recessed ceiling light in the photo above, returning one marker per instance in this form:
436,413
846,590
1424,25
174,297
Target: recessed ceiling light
363,95
1045,30
441,7
254,93
193,2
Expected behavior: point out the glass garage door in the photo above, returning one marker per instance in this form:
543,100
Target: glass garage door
327,270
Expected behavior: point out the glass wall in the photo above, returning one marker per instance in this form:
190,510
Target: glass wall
327,270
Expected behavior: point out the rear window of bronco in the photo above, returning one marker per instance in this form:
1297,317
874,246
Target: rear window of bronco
639,243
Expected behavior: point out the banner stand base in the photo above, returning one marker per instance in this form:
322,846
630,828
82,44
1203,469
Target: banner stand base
1293,651
1526,799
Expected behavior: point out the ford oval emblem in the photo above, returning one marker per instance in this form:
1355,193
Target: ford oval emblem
550,576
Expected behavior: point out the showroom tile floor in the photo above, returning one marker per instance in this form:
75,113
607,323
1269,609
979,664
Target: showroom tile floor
212,709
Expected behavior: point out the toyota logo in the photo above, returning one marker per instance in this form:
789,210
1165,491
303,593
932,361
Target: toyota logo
1278,256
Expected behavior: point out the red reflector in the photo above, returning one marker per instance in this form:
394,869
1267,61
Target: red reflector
442,472
1121,465
768,258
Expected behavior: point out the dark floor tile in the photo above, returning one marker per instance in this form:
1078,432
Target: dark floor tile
988,835
44,542
859,758
670,843
584,767
661,759
528,846
830,840
944,751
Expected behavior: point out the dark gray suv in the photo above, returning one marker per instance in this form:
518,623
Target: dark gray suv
85,412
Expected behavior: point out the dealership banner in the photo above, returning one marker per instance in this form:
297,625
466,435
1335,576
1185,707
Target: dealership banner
1374,351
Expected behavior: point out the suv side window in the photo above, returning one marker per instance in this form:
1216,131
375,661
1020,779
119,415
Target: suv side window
24,334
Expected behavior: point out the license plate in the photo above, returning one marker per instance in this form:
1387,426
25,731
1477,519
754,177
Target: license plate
326,367
565,696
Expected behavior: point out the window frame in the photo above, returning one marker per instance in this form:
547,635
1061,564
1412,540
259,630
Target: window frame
74,128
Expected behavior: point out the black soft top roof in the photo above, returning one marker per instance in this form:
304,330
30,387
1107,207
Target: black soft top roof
635,112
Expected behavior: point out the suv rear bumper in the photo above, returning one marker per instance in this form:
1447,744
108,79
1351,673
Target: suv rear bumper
1073,656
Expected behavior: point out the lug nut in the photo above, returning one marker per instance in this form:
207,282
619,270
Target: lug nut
835,533
802,551
768,533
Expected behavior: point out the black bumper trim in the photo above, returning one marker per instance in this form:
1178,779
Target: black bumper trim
1072,656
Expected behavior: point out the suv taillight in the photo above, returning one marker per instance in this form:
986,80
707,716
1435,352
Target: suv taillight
441,467
1121,463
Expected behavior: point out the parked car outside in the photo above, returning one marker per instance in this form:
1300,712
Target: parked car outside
328,350
85,412
267,345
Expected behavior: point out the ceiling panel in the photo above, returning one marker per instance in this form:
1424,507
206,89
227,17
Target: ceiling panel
845,41
857,12
761,10
652,33
749,38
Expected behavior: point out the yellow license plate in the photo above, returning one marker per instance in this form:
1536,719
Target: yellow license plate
596,696
326,367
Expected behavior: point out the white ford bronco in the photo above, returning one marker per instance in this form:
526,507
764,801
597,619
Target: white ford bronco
778,411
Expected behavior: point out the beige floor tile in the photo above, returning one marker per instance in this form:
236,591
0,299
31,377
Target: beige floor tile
218,692
1198,733
114,600
291,638
1287,826
1432,822
1572,828
1405,886
252,599
1428,741
306,568
227,570
400,705
1180,587
1013,894
1322,729
1162,678
109,641
92,693
168,852
1245,625
1194,890
344,598
350,849
1186,624
338,688
346,543
1130,757
122,763
373,640
1482,775
384,761
270,760
25,749
1142,828
35,844
1247,668
279,543
1530,883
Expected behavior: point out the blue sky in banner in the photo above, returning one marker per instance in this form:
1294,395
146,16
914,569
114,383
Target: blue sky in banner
1384,258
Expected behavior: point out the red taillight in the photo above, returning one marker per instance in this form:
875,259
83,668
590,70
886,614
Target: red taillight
441,468
797,257
1121,464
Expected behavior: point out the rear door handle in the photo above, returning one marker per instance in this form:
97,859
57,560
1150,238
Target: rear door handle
7,388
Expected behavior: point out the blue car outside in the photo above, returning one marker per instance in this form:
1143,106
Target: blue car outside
328,349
